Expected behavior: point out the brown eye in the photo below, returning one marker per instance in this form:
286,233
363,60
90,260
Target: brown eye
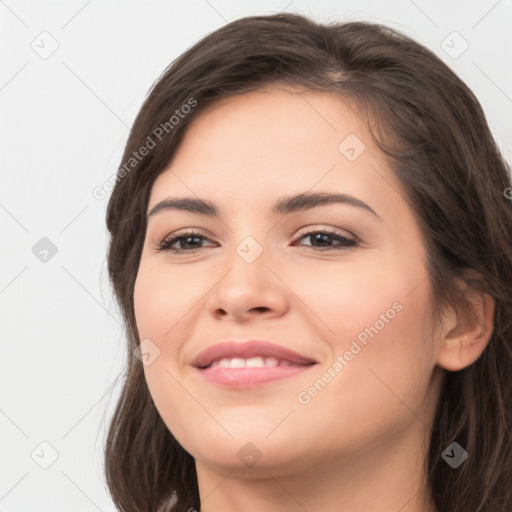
183,239
324,237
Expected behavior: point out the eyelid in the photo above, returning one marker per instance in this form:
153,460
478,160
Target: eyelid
319,228
186,232
302,231
173,237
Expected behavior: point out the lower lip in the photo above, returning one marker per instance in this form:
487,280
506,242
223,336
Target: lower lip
244,378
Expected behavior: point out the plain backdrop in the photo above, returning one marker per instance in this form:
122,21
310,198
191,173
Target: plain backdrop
72,77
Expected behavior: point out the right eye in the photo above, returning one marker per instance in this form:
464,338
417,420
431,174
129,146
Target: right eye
189,237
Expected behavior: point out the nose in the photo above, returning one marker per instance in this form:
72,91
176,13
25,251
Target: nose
248,289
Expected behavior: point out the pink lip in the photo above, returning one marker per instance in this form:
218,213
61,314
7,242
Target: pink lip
247,349
243,378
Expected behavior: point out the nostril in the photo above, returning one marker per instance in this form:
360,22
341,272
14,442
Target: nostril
261,308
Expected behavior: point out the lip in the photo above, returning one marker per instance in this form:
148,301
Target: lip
247,349
249,377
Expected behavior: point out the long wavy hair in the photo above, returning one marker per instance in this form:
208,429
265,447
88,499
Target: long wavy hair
435,134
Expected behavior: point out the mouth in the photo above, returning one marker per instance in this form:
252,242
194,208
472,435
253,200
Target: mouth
249,364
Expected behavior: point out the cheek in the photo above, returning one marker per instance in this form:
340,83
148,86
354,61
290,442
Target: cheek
347,298
158,309
170,397
381,331
378,315
161,298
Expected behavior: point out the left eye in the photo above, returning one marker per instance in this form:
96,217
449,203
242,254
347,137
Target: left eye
321,236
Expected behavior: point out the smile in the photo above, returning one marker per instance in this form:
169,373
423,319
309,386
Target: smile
249,364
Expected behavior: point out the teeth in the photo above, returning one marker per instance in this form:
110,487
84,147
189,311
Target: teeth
252,362
272,361
237,362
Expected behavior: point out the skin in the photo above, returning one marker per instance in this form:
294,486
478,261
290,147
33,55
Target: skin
360,443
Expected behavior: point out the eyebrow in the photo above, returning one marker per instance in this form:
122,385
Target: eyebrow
284,205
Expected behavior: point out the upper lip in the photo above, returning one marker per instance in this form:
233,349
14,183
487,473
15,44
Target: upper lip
247,349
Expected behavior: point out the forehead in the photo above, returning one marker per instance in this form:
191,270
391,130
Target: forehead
260,145
277,118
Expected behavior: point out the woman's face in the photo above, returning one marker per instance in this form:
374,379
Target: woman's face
361,312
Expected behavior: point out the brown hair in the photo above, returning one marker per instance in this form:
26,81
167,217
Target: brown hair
438,142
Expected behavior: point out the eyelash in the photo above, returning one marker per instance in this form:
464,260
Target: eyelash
346,243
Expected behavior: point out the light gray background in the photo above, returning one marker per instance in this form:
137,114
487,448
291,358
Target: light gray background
64,121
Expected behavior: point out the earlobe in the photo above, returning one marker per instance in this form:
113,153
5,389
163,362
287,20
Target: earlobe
468,338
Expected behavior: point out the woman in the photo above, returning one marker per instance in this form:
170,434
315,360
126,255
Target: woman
310,245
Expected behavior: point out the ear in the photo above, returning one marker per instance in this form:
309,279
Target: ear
465,335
